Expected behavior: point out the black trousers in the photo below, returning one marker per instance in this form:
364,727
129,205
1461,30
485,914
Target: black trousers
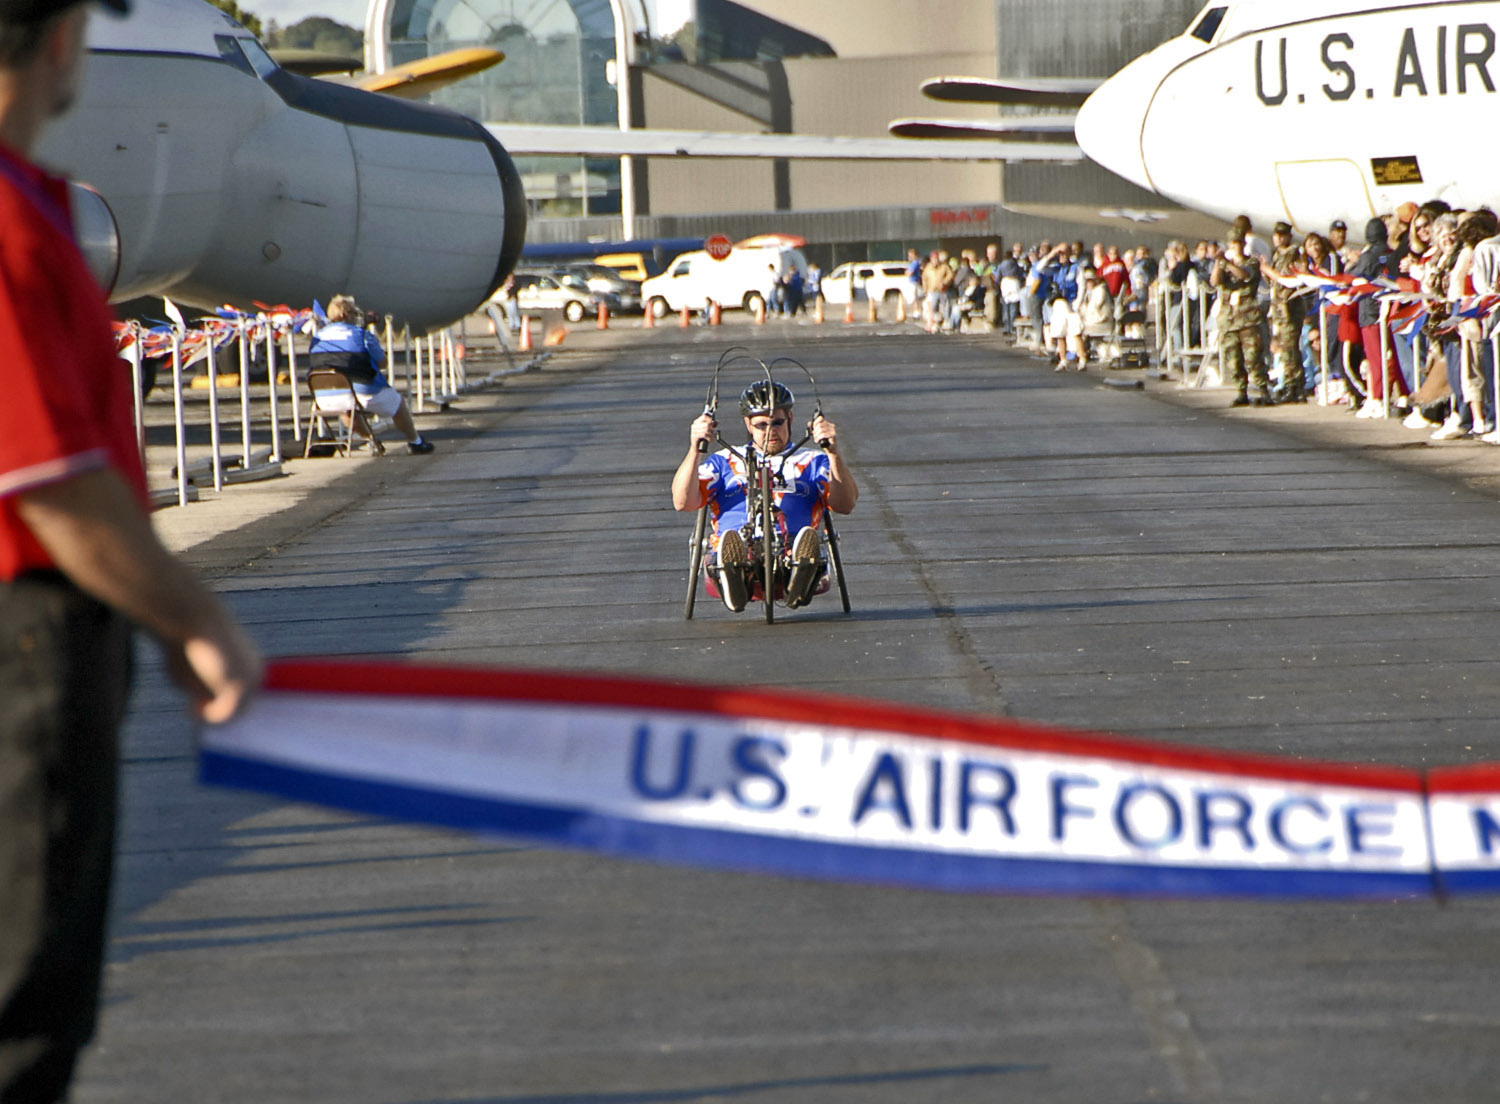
64,678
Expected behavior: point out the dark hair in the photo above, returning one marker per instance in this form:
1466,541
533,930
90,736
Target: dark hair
21,40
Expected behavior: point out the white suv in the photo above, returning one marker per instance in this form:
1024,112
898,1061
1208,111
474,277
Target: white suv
881,281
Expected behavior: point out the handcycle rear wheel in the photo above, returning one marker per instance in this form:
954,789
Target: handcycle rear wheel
767,544
836,560
695,562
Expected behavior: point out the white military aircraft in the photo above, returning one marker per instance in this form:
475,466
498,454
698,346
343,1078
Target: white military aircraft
216,176
1308,110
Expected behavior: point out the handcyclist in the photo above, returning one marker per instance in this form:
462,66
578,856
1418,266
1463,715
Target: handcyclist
805,481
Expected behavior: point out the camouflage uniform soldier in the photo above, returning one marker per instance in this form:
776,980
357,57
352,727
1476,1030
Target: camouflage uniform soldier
1288,309
1237,276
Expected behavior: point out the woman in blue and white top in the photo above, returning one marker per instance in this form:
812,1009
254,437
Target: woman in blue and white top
346,346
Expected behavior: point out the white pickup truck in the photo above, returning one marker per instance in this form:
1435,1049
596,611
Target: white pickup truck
881,281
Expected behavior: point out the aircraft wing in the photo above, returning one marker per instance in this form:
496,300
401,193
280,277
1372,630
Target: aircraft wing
1035,92
417,78
1048,128
587,141
410,81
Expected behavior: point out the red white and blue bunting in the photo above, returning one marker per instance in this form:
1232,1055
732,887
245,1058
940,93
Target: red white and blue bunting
837,788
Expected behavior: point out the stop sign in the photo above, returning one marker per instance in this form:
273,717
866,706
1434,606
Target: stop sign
718,246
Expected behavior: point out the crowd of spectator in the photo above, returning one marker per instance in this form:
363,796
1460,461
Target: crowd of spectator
1406,315
1066,299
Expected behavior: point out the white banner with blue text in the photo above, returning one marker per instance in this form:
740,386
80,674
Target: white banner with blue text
838,788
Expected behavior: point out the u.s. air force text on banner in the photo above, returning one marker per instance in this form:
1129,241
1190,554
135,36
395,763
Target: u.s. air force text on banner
837,788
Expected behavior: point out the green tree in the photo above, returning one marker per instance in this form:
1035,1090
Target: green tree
317,32
234,11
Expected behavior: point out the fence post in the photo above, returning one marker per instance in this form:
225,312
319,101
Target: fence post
136,371
214,436
182,476
271,379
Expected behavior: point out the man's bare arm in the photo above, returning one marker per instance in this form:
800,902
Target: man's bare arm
98,536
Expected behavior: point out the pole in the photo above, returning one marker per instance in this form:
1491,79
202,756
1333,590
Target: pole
214,436
136,370
1322,357
275,398
1385,359
244,395
291,368
182,476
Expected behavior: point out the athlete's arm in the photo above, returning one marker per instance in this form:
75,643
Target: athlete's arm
687,493
843,491
98,536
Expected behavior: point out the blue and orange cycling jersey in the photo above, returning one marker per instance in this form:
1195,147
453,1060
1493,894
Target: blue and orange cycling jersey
800,480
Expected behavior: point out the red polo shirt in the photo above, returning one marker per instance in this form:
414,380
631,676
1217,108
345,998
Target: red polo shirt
65,402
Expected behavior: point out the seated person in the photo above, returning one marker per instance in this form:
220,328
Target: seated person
806,482
346,346
968,304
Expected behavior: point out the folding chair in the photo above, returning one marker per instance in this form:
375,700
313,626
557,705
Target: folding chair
330,379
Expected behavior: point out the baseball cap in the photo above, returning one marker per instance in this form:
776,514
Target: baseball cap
34,11
1282,228
1339,224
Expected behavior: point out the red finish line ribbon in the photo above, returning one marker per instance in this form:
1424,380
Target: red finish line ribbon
837,788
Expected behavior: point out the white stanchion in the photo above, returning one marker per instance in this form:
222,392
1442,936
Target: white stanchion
215,430
182,475
415,346
244,342
136,372
275,398
291,369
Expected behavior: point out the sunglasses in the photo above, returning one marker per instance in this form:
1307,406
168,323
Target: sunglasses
777,422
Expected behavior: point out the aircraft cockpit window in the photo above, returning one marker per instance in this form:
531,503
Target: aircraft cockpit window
1209,25
230,51
263,62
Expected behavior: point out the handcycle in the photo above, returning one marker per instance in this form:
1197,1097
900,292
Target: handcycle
764,531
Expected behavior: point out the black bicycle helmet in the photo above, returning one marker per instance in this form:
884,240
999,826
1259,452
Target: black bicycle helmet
764,396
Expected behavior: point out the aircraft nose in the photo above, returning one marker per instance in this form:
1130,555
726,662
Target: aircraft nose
1111,121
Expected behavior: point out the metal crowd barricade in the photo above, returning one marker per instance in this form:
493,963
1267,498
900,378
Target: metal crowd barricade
443,376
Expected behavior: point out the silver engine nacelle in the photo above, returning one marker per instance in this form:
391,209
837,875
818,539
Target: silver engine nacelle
98,234
217,186
414,210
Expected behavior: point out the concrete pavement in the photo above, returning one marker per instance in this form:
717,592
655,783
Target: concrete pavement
1027,544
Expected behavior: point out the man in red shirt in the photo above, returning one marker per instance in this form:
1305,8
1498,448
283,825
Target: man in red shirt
78,563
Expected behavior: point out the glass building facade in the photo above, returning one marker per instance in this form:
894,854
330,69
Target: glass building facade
558,70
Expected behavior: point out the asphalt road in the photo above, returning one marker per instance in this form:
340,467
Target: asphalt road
1027,544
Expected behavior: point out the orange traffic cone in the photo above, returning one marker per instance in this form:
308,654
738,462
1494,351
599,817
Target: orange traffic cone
687,318
874,311
525,345
849,310
818,310
603,315
715,314
760,311
557,336
900,308
650,322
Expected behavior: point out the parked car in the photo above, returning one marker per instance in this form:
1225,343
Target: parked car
881,281
605,281
542,291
